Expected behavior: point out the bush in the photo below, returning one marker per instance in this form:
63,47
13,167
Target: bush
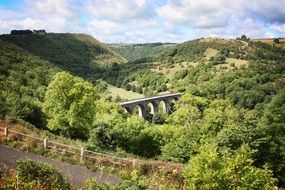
211,169
134,182
158,118
92,184
35,174
3,170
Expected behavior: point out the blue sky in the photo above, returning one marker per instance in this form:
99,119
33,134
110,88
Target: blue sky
138,21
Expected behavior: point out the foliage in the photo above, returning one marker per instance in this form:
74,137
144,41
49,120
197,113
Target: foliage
243,38
23,82
70,105
135,52
181,145
188,109
76,53
220,57
211,169
21,32
229,107
135,182
33,174
132,136
135,77
187,51
272,126
107,116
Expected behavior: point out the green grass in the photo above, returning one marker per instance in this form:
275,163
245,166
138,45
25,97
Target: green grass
114,92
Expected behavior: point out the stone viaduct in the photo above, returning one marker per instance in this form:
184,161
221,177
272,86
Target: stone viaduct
152,101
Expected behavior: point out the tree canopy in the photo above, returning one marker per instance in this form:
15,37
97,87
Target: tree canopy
70,105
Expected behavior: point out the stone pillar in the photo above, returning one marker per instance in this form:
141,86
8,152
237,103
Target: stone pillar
142,111
166,106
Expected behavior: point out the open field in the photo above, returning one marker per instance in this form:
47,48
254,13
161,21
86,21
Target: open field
114,92
210,52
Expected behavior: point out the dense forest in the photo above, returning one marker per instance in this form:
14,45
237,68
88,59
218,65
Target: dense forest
228,125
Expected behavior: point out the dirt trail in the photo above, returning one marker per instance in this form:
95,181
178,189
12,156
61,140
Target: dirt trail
76,174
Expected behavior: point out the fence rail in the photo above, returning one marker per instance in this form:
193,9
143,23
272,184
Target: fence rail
82,152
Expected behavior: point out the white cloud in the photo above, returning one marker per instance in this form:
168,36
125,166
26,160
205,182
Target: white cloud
237,28
106,27
120,10
196,13
51,8
224,18
278,27
149,20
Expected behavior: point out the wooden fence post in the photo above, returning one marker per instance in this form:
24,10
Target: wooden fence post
6,132
134,163
45,143
82,154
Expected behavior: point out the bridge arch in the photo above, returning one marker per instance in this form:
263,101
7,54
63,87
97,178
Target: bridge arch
142,110
129,109
153,107
165,106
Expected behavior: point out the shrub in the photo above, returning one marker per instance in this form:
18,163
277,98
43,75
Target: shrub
134,182
211,169
35,174
3,170
92,184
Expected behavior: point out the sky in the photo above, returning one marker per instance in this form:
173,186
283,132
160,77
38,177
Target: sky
140,21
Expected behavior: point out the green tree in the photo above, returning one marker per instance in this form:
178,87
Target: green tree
276,41
70,105
188,109
214,170
244,38
133,136
182,145
220,114
273,129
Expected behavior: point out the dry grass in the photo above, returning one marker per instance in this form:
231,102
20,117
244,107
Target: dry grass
238,62
230,64
210,52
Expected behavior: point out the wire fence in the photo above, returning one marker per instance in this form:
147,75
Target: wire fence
82,152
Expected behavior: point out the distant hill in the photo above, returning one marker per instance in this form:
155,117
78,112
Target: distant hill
138,51
77,53
166,70
23,81
194,50
278,42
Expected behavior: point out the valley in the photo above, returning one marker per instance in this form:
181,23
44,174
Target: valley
230,115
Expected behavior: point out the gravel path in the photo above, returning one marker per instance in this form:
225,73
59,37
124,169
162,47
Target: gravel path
76,174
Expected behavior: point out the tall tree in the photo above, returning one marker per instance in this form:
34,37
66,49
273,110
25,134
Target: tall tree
70,105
